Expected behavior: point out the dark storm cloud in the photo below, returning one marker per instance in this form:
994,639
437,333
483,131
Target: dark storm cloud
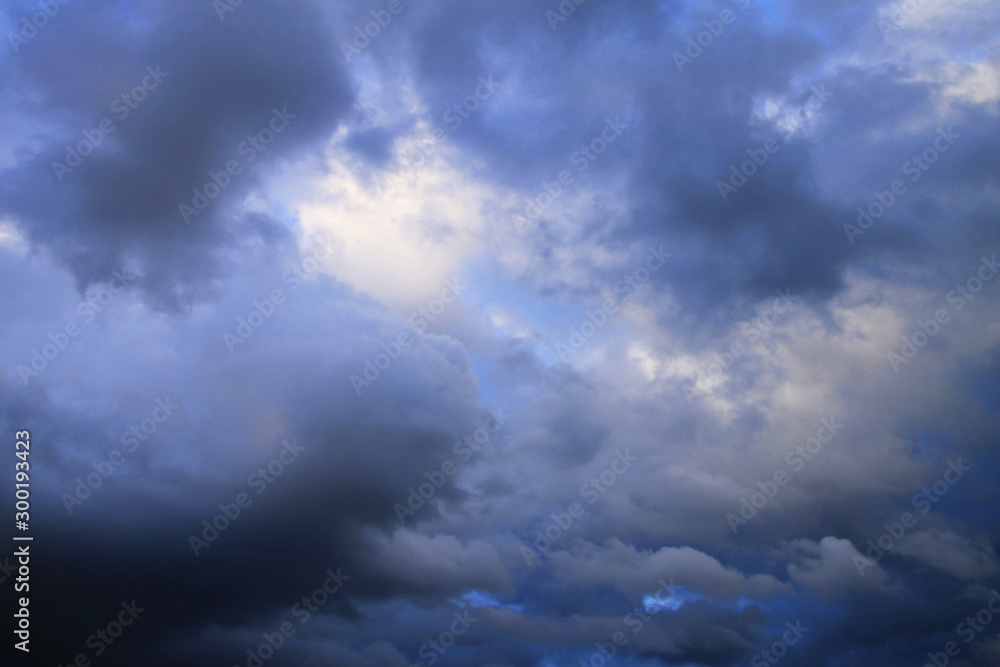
332,506
689,128
219,83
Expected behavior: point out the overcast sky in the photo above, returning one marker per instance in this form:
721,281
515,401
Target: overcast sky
390,333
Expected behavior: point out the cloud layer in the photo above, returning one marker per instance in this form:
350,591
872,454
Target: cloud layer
412,333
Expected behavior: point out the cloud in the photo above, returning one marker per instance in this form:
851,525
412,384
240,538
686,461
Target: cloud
441,563
218,88
631,570
830,568
343,167
968,559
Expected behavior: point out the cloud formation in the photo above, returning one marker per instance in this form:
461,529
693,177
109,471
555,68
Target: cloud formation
233,209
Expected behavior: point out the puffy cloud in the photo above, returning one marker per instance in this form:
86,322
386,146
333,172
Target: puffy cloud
962,557
834,567
631,570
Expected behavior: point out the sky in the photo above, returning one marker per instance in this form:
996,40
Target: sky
396,333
